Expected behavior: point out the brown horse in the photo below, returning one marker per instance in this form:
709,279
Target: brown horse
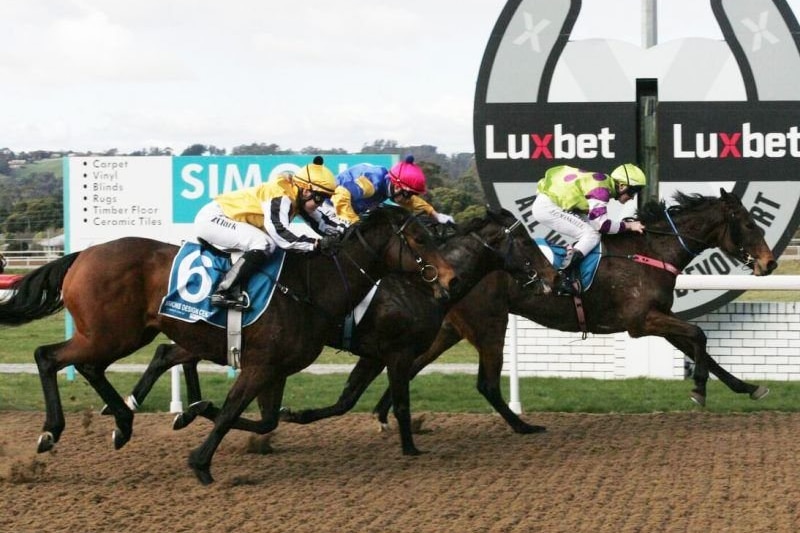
625,296
113,292
400,323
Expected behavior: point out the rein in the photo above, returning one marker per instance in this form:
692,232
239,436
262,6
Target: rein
533,275
428,272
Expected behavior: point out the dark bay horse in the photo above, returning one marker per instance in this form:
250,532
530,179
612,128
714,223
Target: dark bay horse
114,290
400,323
625,296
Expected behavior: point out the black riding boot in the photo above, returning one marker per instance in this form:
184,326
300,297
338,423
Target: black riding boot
228,293
569,273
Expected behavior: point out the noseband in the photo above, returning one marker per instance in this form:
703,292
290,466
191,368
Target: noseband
428,272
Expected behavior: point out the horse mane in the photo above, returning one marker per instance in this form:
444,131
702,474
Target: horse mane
376,216
476,223
654,210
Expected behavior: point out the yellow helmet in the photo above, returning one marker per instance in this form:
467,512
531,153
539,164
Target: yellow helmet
316,177
630,175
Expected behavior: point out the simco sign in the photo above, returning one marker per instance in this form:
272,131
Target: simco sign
726,115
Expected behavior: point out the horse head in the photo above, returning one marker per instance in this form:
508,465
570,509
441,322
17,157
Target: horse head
403,243
501,242
742,238
696,223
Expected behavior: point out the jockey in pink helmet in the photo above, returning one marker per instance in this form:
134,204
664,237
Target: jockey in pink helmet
406,183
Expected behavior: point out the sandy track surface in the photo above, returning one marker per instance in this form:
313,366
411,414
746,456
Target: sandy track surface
687,472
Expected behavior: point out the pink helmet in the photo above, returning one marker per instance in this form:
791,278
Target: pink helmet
408,176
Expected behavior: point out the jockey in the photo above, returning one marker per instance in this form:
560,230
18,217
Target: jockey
574,203
364,186
256,220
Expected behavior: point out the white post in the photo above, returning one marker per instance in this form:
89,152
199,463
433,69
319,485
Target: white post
514,403
176,405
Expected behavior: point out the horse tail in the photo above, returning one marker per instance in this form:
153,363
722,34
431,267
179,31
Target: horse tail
37,294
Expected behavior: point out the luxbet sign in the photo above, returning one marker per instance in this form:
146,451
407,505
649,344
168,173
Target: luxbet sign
520,142
721,140
726,114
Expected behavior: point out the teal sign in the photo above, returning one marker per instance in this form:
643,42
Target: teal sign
198,179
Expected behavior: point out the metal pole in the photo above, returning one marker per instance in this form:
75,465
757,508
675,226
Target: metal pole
649,23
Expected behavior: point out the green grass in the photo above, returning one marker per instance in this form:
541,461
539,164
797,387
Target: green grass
785,268
19,342
432,392
54,165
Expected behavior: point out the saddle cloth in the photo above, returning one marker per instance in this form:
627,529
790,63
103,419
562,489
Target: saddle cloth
556,254
196,271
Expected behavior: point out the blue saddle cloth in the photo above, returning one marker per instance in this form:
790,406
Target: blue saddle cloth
588,266
196,271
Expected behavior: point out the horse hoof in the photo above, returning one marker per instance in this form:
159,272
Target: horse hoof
198,408
698,398
204,476
182,420
287,415
759,393
383,427
528,429
413,452
119,438
45,442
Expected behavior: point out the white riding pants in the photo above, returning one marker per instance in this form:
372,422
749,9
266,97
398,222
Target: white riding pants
213,226
566,223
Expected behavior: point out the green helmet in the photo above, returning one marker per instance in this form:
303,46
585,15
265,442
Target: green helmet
630,175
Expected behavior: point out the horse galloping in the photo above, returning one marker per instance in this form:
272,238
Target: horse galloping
114,290
627,294
401,322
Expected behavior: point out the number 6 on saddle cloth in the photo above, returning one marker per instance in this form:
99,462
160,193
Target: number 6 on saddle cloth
195,272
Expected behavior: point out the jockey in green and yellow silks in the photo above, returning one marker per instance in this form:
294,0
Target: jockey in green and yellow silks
574,203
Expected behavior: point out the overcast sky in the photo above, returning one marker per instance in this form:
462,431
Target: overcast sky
101,74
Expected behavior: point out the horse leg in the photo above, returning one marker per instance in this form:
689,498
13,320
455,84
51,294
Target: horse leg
691,340
193,395
399,379
363,374
756,392
48,376
163,359
123,415
266,402
447,337
251,380
490,367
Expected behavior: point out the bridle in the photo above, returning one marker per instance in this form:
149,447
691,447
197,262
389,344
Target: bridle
731,229
531,275
429,273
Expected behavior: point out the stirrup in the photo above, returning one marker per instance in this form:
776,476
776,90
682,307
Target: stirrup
227,300
568,287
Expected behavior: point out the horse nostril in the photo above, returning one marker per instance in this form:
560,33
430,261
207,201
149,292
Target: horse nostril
772,265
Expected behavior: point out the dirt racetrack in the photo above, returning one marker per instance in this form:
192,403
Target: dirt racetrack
688,472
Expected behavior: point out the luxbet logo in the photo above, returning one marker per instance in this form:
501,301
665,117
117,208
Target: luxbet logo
558,144
745,143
